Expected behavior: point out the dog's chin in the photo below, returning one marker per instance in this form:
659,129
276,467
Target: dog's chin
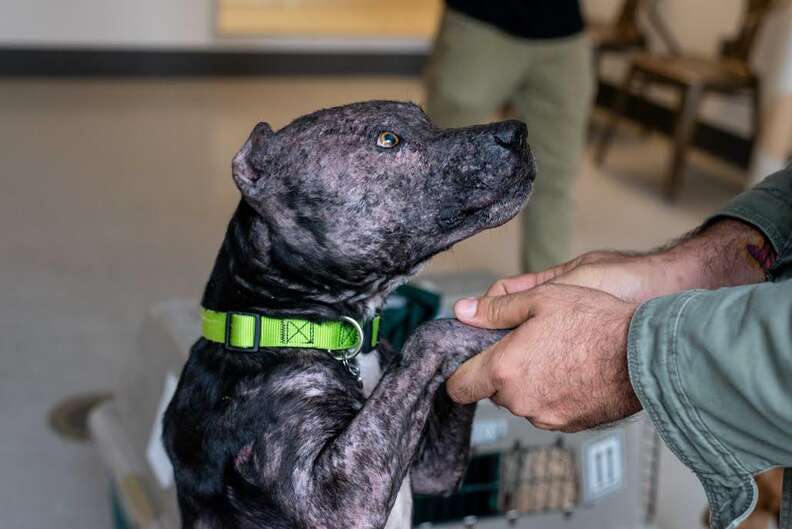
505,210
511,202
463,223
460,223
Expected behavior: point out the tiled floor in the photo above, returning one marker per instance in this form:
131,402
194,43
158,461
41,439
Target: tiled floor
115,195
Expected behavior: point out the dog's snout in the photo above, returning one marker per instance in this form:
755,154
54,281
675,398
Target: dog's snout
511,134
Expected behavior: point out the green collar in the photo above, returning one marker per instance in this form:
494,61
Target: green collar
249,332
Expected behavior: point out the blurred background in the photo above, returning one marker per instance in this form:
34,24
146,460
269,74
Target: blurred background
118,121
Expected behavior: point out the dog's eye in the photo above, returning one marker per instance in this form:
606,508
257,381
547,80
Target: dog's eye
387,140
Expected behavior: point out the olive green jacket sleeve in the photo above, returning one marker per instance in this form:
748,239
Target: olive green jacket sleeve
713,369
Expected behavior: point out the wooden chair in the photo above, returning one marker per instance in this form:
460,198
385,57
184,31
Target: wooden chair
620,36
625,34
693,77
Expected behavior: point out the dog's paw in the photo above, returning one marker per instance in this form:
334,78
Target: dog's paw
450,341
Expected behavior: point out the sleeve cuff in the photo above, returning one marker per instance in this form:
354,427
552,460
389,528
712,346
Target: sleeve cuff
653,368
768,207
659,380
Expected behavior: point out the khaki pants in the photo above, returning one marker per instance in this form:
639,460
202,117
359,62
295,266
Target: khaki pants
475,69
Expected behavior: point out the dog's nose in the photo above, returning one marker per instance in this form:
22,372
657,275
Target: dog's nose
511,134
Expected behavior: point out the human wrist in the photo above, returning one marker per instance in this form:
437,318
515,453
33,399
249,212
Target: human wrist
726,253
676,270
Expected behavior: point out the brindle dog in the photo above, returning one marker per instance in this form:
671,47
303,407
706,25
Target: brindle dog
338,208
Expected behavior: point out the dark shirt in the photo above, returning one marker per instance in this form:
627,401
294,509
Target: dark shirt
530,19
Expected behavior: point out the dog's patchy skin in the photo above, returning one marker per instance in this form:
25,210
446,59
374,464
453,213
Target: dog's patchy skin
329,225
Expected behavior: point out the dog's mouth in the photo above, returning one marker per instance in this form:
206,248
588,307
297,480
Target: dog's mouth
455,216
488,209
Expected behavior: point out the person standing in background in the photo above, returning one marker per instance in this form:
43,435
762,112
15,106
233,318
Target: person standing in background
535,56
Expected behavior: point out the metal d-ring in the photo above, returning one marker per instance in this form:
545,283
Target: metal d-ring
345,355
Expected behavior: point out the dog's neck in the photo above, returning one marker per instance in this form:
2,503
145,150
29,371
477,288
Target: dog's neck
249,275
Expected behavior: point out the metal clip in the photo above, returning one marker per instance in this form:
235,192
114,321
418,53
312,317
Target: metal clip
353,370
348,354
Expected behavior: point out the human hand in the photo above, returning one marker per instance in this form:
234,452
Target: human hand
726,253
565,365
629,277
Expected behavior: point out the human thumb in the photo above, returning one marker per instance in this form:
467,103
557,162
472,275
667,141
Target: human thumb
495,312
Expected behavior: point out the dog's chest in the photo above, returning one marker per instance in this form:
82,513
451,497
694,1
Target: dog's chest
401,514
370,371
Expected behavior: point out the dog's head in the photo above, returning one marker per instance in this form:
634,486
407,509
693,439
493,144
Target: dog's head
355,197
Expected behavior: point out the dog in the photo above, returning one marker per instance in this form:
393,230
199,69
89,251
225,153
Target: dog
338,208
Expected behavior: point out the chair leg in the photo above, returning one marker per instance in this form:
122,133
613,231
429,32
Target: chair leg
643,89
759,136
596,61
617,112
685,126
756,101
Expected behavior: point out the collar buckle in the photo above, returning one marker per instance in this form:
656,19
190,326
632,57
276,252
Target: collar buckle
256,332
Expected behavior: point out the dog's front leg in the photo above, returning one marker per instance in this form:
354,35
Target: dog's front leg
359,473
444,451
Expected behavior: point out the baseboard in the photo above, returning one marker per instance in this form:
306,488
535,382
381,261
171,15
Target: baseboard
86,63
77,63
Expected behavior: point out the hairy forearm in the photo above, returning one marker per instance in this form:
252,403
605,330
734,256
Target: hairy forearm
726,253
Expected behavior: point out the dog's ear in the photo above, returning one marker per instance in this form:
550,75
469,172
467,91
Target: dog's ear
247,166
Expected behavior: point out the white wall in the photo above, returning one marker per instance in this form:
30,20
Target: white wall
146,23
150,24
